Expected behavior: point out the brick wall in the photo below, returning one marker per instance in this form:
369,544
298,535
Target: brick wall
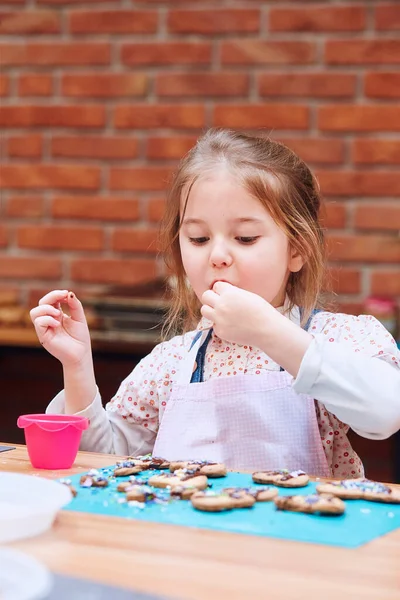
100,99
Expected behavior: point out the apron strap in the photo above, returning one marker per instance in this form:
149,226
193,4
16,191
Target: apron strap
198,373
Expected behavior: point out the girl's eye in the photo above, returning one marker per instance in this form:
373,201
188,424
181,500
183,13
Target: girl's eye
198,241
247,240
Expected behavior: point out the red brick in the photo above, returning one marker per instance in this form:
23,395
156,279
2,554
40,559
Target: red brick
387,16
3,236
386,283
318,85
155,209
382,85
25,206
3,151
202,84
4,85
26,146
72,2
166,53
260,52
49,237
154,116
317,150
96,147
47,176
376,151
55,54
343,281
140,179
174,2
169,147
367,248
29,22
348,117
37,84
95,208
113,21
362,52
18,267
322,18
135,240
219,21
379,216
359,183
251,116
82,115
333,215
104,85
123,272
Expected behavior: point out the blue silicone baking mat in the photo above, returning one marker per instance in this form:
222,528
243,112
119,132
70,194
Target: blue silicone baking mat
362,521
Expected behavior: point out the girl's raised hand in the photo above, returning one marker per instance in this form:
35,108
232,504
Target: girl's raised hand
238,315
65,336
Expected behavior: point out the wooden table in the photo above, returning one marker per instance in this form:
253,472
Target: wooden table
182,562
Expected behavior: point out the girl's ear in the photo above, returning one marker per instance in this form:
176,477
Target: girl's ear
296,260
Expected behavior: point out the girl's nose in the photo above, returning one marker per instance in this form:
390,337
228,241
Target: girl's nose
220,255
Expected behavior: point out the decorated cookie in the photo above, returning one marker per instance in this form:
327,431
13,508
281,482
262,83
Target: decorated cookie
148,461
261,494
127,467
93,479
324,504
282,478
204,467
181,477
140,493
124,485
364,489
182,492
224,500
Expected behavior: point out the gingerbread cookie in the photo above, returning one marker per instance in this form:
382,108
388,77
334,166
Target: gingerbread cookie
282,478
204,467
124,485
140,493
225,500
93,479
324,504
128,467
365,489
182,492
181,477
263,494
148,461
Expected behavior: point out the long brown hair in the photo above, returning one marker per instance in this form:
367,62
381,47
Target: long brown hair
281,181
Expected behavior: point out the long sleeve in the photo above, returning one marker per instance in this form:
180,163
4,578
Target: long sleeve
353,368
108,432
129,423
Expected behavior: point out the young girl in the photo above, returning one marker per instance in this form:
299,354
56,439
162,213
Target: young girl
261,378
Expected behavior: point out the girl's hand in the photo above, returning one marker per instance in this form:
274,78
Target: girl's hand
247,319
238,315
65,337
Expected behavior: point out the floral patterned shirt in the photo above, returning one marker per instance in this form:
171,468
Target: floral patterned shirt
141,399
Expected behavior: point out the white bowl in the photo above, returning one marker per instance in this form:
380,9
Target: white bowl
28,505
23,577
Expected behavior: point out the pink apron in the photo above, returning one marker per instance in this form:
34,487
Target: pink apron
252,422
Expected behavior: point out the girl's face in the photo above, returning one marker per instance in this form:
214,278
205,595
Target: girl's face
228,235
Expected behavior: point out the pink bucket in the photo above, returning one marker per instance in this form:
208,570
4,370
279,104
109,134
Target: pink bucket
52,440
